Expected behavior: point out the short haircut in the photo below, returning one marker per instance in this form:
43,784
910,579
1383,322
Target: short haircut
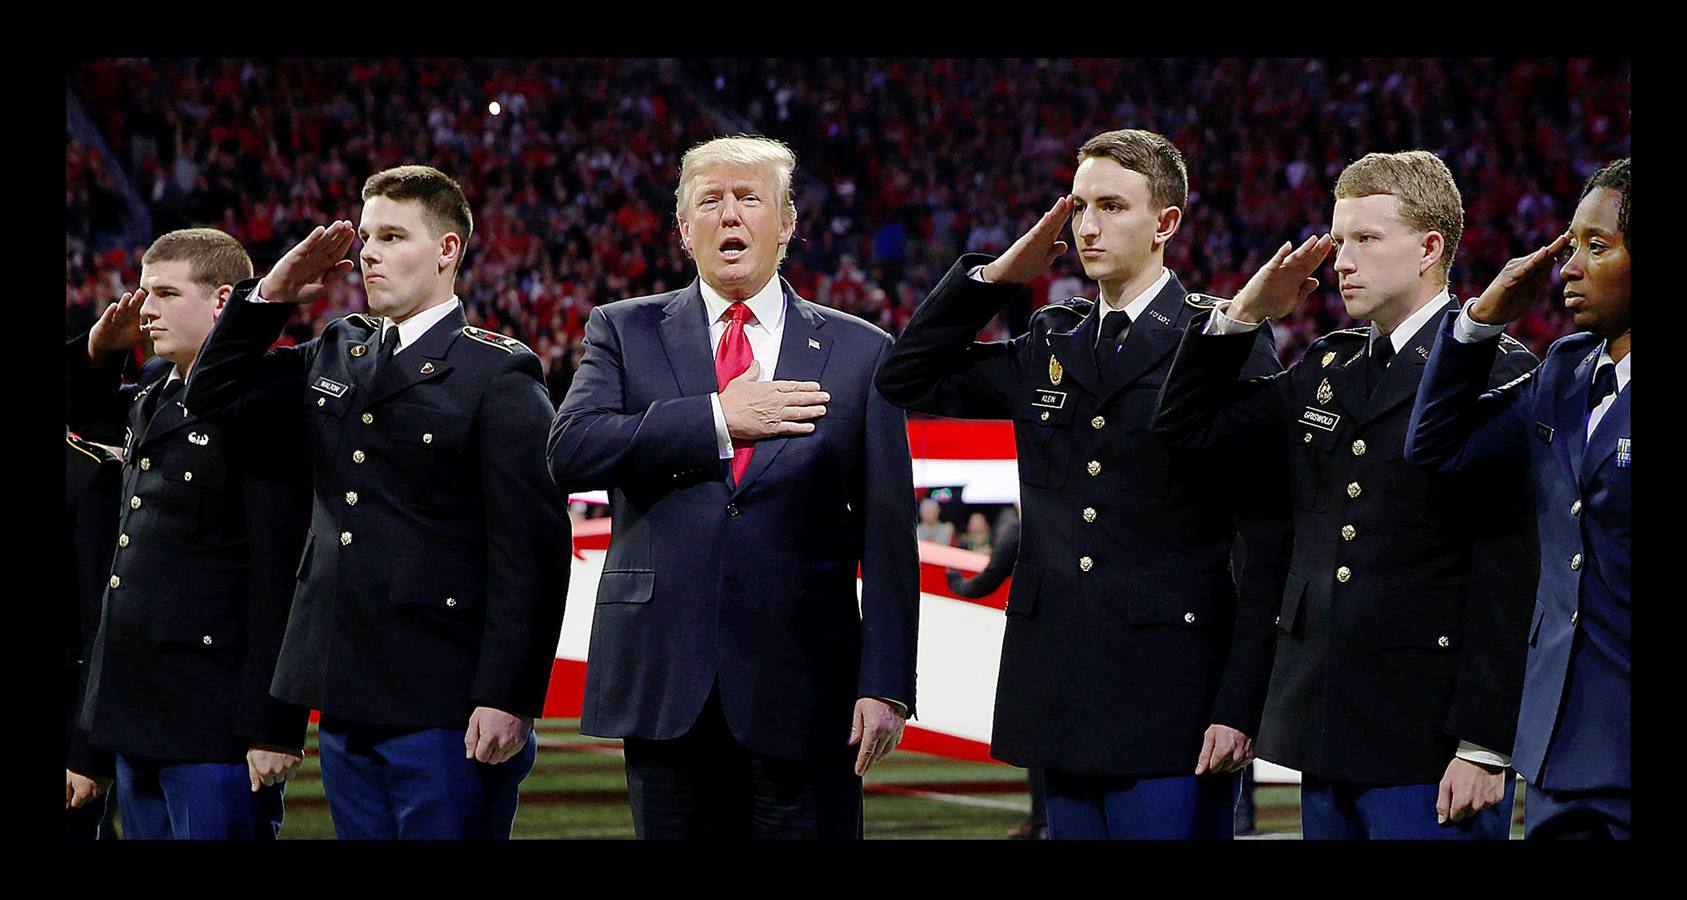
442,200
1429,199
1149,154
217,258
1615,177
744,150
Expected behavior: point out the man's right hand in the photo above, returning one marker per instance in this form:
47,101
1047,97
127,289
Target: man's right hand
307,268
755,410
79,789
1031,255
1518,285
1283,283
119,327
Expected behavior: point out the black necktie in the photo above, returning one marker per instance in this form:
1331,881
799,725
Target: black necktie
389,346
1113,327
1382,351
1604,384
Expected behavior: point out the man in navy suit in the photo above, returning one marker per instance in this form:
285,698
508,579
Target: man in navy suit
752,467
1570,419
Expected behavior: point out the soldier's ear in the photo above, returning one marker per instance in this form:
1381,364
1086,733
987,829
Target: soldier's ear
1434,247
450,250
222,295
1166,226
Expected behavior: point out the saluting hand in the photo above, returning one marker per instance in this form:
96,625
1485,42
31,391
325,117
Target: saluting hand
1035,250
1283,283
1518,286
494,736
762,409
307,268
119,326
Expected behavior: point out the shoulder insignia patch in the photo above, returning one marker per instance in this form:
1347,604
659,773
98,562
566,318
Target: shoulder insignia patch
1202,301
1509,344
493,339
1518,380
89,448
373,322
1063,315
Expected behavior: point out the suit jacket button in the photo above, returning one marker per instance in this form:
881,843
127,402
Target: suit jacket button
732,509
1576,562
1576,508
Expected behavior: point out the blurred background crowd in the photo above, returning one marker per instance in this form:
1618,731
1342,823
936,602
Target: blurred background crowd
569,166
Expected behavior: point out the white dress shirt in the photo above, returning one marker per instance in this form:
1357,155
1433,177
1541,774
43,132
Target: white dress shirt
411,330
1467,330
1133,309
765,329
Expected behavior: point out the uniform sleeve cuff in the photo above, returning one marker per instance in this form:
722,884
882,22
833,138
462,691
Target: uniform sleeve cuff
1467,330
723,438
1219,323
1478,754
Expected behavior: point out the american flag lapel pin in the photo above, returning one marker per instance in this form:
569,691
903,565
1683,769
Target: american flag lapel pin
813,344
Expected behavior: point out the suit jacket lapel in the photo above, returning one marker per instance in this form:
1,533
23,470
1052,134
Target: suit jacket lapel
1571,414
802,357
166,418
1603,441
1076,354
685,338
422,361
1152,337
1399,384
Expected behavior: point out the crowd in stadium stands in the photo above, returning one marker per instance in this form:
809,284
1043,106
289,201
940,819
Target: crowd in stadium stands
903,164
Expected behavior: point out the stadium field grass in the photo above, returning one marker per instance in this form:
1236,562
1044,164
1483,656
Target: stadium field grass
578,790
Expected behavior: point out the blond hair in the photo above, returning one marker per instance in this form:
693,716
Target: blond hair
1423,185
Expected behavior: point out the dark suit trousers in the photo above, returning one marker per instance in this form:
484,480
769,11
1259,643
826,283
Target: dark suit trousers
706,786
1577,815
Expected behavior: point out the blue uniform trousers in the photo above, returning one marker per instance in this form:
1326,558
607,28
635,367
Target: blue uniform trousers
1178,807
167,800
1577,815
1353,811
386,783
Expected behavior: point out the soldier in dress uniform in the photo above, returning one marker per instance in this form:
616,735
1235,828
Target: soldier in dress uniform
1132,668
198,587
1400,638
431,590
93,478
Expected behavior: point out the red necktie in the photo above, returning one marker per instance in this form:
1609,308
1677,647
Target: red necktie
732,359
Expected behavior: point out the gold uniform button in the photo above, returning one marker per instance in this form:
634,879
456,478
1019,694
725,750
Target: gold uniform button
345,538
351,498
1189,617
1085,563
1343,574
1576,562
322,401
115,581
206,640
1089,514
146,464
427,438
1307,438
1045,415
187,476
357,456
1098,423
1358,448
450,601
358,350
122,540
135,502
368,418
1348,532
1576,508
1353,489
1443,641
1094,467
